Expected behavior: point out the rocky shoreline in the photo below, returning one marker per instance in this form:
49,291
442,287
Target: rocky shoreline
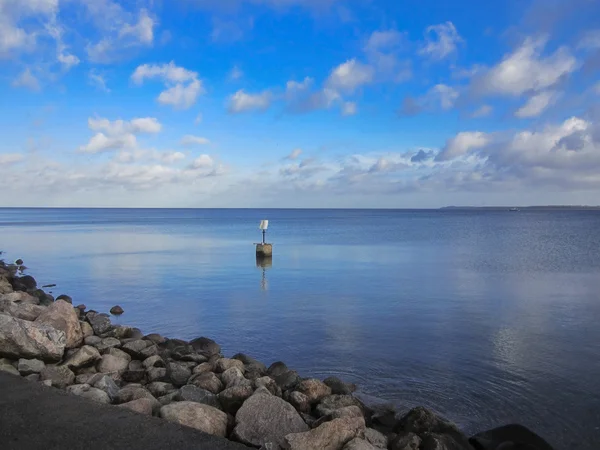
50,341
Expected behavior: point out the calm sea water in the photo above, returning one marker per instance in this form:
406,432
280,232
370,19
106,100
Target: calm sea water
486,317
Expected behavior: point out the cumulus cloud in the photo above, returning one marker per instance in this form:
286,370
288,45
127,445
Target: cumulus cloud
137,155
100,142
440,96
482,111
242,101
441,41
536,104
189,140
295,154
20,24
349,109
463,143
349,76
98,80
27,80
182,86
7,159
118,134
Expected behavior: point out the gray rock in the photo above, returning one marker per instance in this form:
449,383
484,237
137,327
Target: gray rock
100,323
60,376
381,412
24,311
224,364
31,340
29,366
91,393
203,368
47,383
33,377
178,373
156,374
118,353
112,364
85,378
508,437
339,387
287,380
359,444
233,377
196,415
65,298
269,384
329,436
106,384
21,298
347,411
208,381
135,348
9,369
421,420
169,398
232,398
406,441
132,392
107,343
140,406
376,438
206,346
433,441
86,330
155,338
116,310
299,401
314,389
277,368
332,402
153,361
60,316
190,393
85,356
265,418
94,341
159,388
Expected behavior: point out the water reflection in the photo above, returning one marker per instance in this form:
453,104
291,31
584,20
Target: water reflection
264,263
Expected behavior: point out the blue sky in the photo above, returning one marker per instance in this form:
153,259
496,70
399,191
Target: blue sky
299,103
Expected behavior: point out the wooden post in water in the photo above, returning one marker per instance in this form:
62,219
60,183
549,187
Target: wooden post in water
263,249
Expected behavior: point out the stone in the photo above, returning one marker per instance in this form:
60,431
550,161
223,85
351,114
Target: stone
265,418
380,412
33,377
107,343
314,389
91,370
347,411
94,341
91,393
231,399
140,406
268,383
509,437
27,282
299,401
190,393
433,441
24,311
208,381
376,438
60,316
206,346
196,415
20,298
308,419
80,307
153,361
233,377
421,420
29,366
132,392
329,436
287,380
133,375
160,388
155,338
60,376
339,387
277,368
119,354
224,364
187,353
406,441
169,398
116,310
5,286
156,374
23,339
65,298
332,402
86,329
85,356
359,444
9,369
203,368
178,373
135,348
100,324
106,384
84,378
112,364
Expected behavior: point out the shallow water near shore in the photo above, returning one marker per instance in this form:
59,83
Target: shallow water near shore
488,317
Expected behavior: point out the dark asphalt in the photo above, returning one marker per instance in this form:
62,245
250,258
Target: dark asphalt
35,417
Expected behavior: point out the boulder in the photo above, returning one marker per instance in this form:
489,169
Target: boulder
339,387
140,406
299,401
233,377
265,418
84,378
153,361
60,315
86,330
346,411
9,369
29,366
277,368
107,343
287,380
85,356
169,398
359,444
196,415
187,353
119,354
24,339
135,348
24,311
25,283
269,384
329,404
205,346
178,373
132,392
60,376
112,364
190,393
224,364
21,298
116,310
106,384
100,324
91,393
231,399
329,436
155,338
159,388
423,421
33,377
376,438
208,381
65,298
381,412
156,374
509,436
314,389
5,286
94,341
433,441
203,368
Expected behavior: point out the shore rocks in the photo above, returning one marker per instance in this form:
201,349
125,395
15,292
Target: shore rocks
61,316
205,346
85,356
332,403
264,419
24,311
178,373
208,381
233,376
339,387
60,376
116,310
30,366
359,444
189,393
232,398
91,393
406,441
105,383
100,324
22,339
196,415
509,436
112,364
224,364
329,436
140,406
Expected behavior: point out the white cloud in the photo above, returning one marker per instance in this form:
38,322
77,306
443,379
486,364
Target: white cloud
462,144
590,40
189,140
295,154
120,127
349,109
349,76
136,155
483,111
441,41
21,22
27,80
142,31
236,73
384,40
183,86
536,104
526,70
68,60
446,95
202,162
96,79
242,101
7,159
102,143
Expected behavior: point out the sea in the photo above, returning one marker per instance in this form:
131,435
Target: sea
487,317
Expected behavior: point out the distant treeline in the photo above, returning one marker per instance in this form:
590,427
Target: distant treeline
528,208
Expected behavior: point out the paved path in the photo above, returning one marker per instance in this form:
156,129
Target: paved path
35,417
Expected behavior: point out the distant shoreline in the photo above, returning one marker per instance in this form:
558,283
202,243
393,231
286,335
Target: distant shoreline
443,208
528,208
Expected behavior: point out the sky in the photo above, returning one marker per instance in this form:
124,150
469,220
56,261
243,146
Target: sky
299,103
